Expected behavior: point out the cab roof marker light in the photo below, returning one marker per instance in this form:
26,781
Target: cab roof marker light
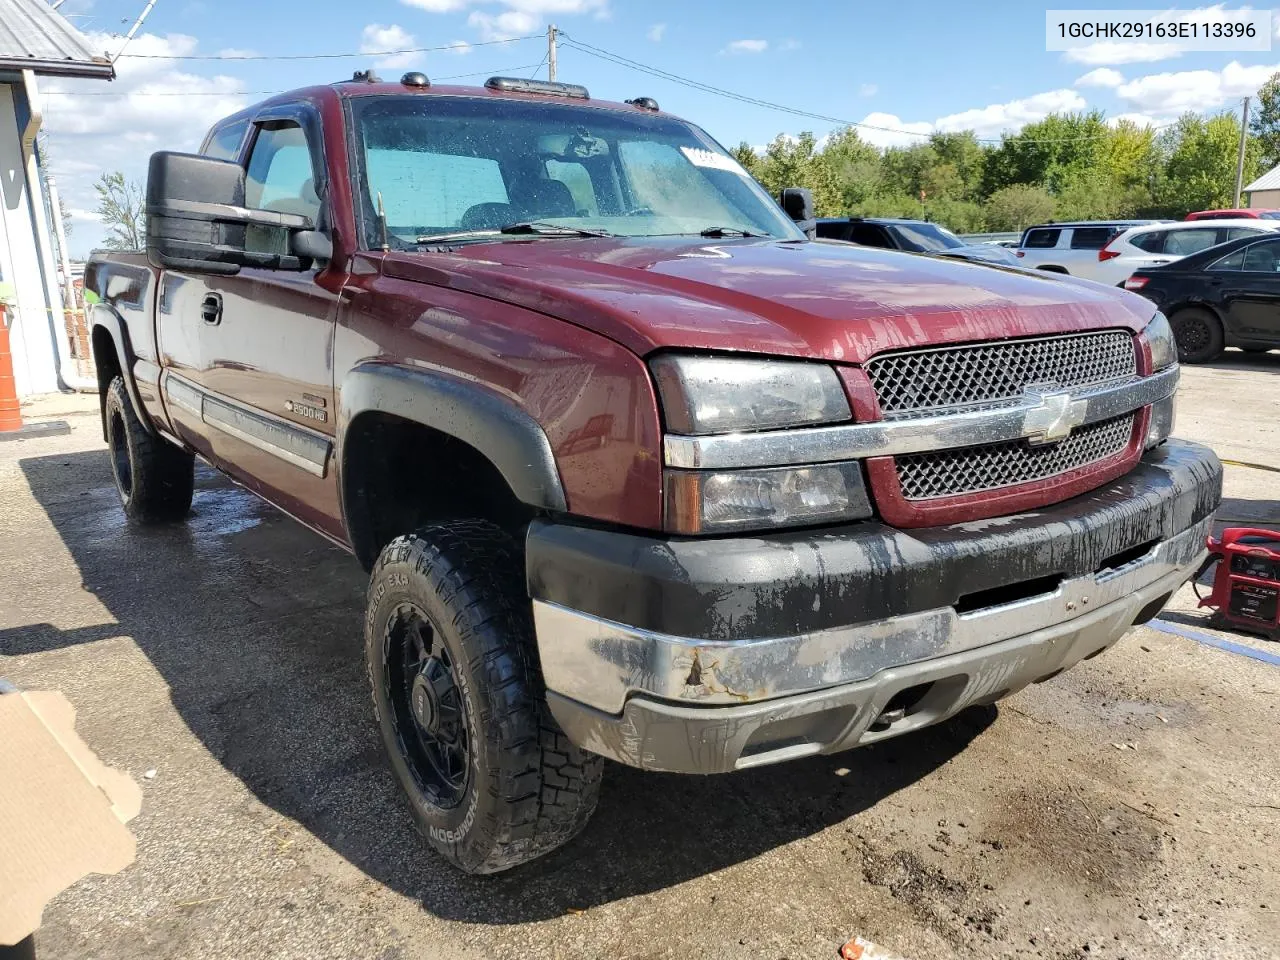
415,78
365,76
520,85
644,103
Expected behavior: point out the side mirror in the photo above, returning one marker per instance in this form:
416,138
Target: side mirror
797,203
197,220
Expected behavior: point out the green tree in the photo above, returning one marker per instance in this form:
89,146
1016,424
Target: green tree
852,166
1093,195
962,216
1018,206
122,211
1047,152
906,169
962,152
793,162
746,155
1265,123
1201,169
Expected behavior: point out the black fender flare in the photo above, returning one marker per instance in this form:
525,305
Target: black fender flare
101,315
494,426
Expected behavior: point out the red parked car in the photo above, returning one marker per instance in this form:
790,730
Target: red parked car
639,470
1244,213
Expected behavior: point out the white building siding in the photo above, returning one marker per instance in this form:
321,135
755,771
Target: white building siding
31,331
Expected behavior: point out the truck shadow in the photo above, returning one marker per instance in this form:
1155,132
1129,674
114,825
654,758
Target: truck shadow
255,625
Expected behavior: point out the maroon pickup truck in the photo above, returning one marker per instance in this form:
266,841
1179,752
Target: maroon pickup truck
640,471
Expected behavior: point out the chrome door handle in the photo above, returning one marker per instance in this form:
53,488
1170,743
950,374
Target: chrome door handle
211,309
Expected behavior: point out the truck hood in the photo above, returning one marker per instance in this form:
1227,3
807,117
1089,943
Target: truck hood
834,301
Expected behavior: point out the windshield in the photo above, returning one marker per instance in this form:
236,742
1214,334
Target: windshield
466,167
928,237
1270,215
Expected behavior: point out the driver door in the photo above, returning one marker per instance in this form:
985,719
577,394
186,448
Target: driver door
268,357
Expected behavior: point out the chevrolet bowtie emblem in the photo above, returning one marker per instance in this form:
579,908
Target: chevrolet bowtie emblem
1053,418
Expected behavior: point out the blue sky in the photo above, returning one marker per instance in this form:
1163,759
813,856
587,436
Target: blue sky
910,66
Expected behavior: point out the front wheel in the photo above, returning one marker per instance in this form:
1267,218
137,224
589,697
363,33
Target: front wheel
1199,335
491,779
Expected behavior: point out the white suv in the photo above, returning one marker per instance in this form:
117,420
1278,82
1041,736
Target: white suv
1071,247
1166,242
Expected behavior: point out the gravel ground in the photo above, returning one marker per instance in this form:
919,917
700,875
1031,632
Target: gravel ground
1127,808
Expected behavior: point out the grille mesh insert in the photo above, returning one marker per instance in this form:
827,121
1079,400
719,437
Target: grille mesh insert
913,382
949,473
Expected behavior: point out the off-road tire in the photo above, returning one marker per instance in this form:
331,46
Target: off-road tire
154,478
1199,335
529,790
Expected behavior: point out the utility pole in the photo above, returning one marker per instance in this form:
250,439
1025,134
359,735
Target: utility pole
134,29
551,52
1244,135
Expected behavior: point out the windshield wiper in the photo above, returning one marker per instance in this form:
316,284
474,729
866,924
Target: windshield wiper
542,229
531,228
728,232
458,235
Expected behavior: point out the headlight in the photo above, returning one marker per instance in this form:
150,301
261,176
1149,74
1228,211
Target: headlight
703,395
1159,337
712,501
1161,425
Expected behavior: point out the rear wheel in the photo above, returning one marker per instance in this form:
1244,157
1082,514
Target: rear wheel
154,478
1199,335
491,779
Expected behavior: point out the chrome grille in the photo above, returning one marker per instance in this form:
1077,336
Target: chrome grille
949,473
911,382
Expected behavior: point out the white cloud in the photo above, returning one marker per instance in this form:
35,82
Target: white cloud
1106,52
989,121
513,18
436,6
868,90
746,46
1173,93
1140,119
895,133
376,38
460,47
656,32
1102,77
556,7
91,135
534,8
237,52
998,117
503,26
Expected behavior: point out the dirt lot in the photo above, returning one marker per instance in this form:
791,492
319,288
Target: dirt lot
1128,808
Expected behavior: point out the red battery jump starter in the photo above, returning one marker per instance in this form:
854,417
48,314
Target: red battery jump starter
1246,585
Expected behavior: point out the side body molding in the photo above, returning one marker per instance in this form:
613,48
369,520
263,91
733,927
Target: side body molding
504,434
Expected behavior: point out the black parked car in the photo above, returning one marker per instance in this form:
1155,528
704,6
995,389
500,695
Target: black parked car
1226,296
918,236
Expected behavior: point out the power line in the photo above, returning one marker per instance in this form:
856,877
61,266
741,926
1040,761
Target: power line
318,56
496,71
540,63
622,61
